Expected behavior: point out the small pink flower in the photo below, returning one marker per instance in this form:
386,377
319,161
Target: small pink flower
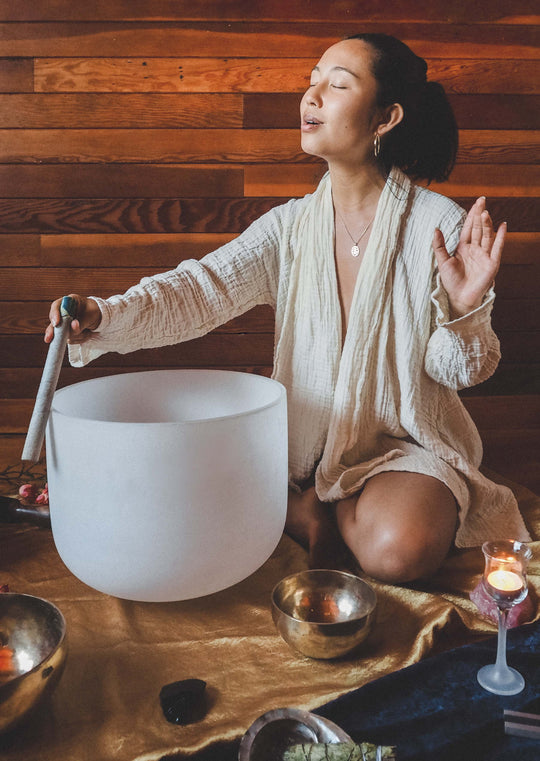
28,492
42,498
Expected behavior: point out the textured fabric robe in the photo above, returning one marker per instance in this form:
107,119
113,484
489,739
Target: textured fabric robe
384,399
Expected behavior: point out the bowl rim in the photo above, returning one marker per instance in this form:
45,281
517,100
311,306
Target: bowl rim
309,571
55,649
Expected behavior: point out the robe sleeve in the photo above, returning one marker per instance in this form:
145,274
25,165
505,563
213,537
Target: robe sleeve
465,351
192,299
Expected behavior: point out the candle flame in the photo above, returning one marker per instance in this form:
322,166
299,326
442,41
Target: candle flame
506,581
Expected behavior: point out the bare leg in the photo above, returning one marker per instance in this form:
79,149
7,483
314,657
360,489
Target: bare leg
312,524
401,527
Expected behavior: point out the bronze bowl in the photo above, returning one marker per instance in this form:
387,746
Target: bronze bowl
323,614
33,635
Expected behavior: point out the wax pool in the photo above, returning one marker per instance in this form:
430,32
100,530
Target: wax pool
506,581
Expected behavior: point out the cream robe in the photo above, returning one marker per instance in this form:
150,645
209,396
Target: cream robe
385,400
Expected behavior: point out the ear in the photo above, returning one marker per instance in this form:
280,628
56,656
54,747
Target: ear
392,117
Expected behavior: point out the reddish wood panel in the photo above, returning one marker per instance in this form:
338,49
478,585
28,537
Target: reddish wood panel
132,111
212,350
164,146
518,12
120,181
225,146
139,215
472,111
16,75
466,179
240,39
257,75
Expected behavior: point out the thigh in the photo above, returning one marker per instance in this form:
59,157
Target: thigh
401,526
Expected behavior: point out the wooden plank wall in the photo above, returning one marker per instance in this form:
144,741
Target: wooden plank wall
136,134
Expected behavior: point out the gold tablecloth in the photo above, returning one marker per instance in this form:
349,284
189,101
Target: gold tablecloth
121,653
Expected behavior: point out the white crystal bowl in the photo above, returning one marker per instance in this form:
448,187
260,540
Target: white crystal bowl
170,484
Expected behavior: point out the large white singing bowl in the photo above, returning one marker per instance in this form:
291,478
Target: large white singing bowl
167,485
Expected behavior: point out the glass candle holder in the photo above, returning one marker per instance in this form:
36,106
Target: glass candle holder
505,581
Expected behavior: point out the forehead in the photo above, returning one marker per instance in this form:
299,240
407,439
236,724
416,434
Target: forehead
354,55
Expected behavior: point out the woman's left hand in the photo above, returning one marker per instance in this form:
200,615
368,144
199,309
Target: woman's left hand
469,273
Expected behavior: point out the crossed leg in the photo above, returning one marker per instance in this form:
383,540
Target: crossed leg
399,528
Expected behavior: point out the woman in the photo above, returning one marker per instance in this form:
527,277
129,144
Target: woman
383,295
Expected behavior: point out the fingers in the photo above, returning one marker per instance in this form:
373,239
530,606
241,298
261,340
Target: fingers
498,244
78,324
439,248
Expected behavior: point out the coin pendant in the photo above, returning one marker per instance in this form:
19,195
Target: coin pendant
355,251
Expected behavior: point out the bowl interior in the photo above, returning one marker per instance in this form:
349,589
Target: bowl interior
31,629
324,597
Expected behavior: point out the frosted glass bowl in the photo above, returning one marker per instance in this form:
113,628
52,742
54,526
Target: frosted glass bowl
170,484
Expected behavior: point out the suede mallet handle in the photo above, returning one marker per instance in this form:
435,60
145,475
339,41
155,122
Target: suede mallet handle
47,386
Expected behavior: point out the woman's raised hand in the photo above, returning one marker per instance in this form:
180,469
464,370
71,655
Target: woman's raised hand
88,317
469,273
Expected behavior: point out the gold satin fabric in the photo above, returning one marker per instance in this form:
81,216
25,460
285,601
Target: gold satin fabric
121,653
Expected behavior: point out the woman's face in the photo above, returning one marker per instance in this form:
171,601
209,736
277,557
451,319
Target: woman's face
338,112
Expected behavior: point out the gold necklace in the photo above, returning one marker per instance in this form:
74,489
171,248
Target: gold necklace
354,249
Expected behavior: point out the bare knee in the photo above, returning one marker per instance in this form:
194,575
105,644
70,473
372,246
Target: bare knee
397,559
401,528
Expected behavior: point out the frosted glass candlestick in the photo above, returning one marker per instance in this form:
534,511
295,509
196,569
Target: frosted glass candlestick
505,581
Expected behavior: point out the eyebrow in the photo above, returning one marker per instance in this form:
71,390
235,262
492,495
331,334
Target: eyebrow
338,68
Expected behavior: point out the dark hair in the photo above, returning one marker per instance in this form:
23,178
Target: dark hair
424,144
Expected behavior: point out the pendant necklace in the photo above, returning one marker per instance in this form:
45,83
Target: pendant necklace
354,249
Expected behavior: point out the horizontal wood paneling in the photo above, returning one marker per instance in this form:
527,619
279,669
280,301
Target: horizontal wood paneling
472,111
165,250
247,39
257,75
225,146
494,11
139,215
119,181
134,135
113,111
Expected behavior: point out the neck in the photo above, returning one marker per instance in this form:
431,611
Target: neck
356,190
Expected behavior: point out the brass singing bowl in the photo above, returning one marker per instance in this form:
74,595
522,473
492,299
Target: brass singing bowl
323,614
34,630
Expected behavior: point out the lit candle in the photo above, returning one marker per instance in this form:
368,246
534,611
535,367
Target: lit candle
505,587
506,581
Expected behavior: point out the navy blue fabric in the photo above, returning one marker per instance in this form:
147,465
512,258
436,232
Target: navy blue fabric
435,710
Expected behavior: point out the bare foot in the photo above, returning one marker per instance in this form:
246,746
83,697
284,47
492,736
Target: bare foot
312,524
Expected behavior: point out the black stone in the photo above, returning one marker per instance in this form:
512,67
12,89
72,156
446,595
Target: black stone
183,702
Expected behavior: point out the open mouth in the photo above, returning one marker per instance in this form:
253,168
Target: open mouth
310,122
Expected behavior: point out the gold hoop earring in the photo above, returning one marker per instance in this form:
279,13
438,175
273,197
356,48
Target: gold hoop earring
377,145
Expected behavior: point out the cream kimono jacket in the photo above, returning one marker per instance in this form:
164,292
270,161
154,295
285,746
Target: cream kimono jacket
383,399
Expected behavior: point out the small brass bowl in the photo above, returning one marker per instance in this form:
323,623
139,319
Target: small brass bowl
33,638
323,614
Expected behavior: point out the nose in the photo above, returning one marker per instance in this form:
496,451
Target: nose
313,96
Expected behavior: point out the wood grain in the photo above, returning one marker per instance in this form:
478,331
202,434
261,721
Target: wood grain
164,250
120,181
119,110
258,75
224,146
140,215
247,39
16,75
495,11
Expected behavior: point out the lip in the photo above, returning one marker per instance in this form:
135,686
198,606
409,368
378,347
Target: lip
310,123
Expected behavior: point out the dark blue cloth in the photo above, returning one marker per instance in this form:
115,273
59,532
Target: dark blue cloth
435,710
